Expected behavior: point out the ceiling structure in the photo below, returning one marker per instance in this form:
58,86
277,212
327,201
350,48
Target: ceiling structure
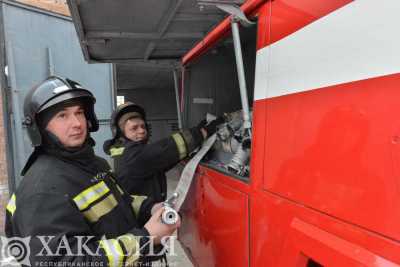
146,39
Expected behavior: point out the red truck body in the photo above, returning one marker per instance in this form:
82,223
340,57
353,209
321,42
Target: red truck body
324,184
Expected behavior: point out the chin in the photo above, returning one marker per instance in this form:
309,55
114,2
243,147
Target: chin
76,143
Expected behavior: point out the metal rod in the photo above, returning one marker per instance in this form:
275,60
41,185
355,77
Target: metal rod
241,75
16,109
50,62
5,104
178,108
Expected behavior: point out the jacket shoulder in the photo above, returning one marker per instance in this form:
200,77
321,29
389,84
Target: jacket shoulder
48,175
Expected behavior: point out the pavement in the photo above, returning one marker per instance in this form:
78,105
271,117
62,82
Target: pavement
180,259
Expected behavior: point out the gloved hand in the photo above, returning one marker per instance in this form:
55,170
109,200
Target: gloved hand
211,127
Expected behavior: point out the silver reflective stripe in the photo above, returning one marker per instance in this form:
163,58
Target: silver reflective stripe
113,251
90,195
105,206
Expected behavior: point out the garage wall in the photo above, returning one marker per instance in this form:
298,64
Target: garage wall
38,44
160,109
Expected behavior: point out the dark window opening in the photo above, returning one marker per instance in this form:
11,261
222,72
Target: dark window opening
312,263
211,86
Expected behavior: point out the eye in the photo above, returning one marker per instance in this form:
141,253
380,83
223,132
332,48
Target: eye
80,112
62,115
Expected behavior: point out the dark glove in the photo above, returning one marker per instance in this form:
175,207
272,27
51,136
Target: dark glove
211,127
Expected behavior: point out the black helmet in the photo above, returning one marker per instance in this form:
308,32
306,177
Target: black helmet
119,112
55,90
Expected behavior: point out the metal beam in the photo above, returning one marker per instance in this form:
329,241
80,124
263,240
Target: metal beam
178,104
165,22
73,8
149,50
162,64
91,36
218,2
194,17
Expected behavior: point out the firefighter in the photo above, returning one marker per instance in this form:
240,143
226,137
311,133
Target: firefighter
140,166
68,202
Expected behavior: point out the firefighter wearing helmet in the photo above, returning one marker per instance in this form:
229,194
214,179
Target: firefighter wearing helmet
140,166
68,194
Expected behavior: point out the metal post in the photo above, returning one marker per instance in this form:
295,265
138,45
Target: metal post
113,73
241,75
50,63
5,99
16,109
178,108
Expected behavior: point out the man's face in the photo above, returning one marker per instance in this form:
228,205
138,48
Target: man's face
70,126
135,129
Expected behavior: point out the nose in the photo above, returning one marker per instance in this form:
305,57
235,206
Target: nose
142,129
75,121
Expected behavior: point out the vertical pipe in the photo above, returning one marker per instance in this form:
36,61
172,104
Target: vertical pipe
50,62
5,104
241,75
178,109
113,70
20,155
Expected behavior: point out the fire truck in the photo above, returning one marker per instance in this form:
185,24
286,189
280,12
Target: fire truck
306,170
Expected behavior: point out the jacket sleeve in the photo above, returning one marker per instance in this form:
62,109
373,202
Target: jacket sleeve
141,206
144,160
59,234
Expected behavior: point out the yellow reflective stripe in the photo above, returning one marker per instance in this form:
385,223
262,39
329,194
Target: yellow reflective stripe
116,151
131,245
12,206
100,209
136,203
90,195
114,252
180,144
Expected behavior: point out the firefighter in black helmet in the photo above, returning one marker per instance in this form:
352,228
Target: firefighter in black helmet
140,166
68,202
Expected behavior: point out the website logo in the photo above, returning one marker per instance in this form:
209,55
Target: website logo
15,251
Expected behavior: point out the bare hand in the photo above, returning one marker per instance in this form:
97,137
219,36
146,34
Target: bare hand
157,229
156,207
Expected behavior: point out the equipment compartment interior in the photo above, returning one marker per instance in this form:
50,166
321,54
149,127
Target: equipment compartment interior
210,85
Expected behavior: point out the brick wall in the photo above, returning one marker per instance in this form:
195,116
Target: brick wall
57,6
3,171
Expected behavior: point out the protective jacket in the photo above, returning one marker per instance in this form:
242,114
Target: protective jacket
66,196
140,167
